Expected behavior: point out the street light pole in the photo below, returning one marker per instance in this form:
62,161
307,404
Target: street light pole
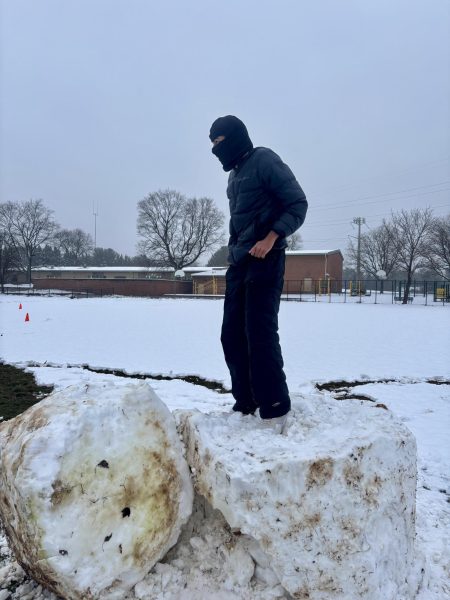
359,221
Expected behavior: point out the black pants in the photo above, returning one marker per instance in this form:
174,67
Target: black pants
250,335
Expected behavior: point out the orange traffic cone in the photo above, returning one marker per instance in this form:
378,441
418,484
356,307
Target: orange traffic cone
20,306
27,317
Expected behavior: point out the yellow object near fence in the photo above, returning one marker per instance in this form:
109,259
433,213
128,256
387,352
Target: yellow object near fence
208,288
325,286
356,288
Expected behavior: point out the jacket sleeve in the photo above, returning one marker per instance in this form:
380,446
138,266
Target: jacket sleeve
280,182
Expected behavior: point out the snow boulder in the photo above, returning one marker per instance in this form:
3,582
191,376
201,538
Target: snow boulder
94,488
329,507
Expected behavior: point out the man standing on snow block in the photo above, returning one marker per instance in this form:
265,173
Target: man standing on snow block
266,205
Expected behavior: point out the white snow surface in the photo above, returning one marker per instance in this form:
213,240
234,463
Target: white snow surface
320,342
181,336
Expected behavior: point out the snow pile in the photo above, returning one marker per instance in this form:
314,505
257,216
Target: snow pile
329,507
94,488
209,561
95,493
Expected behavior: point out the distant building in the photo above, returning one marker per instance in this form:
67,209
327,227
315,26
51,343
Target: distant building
102,273
306,271
123,281
210,281
307,268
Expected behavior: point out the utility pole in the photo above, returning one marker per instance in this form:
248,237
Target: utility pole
359,221
95,213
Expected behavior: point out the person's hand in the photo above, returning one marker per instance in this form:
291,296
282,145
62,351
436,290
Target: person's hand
263,247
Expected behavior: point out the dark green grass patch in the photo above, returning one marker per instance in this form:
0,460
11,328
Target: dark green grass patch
18,391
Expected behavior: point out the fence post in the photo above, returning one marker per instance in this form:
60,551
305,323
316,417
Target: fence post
376,290
345,291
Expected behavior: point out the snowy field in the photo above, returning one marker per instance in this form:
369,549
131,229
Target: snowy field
366,343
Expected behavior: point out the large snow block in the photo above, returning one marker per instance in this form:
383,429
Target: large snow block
331,503
94,488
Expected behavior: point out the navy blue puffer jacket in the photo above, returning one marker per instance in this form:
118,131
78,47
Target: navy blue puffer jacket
264,195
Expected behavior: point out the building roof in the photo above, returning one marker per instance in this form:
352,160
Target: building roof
214,273
310,252
108,269
198,269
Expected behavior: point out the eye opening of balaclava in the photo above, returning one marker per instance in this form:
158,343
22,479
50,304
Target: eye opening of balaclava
236,143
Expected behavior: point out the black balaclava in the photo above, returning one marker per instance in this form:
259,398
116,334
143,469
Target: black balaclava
236,143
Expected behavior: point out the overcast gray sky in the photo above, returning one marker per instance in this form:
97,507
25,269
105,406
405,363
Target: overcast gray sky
104,101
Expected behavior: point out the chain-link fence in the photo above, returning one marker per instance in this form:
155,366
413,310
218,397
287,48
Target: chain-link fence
75,293
429,293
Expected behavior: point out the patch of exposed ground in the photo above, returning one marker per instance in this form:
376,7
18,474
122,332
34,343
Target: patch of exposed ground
18,391
341,388
211,384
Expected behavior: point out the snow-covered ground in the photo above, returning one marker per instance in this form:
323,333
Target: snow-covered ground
408,345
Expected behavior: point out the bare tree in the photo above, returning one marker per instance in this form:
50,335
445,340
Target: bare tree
178,230
76,245
437,247
378,250
411,229
294,241
8,259
27,226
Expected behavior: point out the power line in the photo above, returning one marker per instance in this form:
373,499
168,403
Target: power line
326,223
374,199
333,239
385,176
346,221
332,222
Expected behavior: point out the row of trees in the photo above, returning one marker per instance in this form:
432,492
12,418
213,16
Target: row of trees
52,255
174,231
409,241
30,237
